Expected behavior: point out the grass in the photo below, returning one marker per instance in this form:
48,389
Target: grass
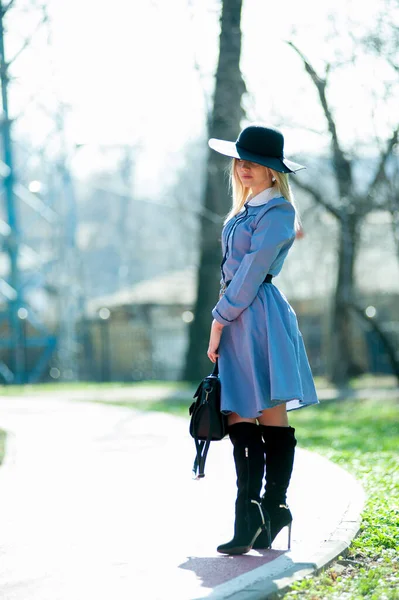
53,387
85,386
363,437
369,380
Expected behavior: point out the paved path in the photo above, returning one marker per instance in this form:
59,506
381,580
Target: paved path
98,502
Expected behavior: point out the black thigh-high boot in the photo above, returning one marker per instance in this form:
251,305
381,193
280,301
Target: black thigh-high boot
249,462
279,445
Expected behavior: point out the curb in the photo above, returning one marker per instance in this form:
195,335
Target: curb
271,581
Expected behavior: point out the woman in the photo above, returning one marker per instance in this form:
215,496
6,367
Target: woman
263,366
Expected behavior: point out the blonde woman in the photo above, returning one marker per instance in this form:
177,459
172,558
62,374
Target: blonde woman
263,366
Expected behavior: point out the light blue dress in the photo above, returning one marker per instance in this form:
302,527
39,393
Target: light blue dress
263,361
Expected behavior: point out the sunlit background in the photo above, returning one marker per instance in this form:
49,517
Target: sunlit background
109,105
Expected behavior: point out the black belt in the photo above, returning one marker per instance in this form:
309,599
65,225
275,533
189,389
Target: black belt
267,279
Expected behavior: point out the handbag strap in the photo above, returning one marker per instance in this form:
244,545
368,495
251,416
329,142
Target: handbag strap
202,448
215,371
199,462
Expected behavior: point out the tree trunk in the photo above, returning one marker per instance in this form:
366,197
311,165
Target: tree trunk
224,123
350,210
341,355
388,344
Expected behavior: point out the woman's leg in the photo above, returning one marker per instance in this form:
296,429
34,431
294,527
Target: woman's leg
276,416
248,453
279,444
234,418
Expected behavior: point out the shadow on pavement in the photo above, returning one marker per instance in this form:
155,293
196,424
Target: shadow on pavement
214,571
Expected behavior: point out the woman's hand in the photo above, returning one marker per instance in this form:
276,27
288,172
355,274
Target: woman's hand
214,340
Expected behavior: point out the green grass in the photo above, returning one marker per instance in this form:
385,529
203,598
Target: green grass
363,437
369,381
3,436
372,381
86,386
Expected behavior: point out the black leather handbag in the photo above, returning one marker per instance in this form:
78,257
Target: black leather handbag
207,423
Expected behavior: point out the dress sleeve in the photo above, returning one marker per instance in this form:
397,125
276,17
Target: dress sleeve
274,229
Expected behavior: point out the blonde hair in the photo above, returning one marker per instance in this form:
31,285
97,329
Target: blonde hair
240,193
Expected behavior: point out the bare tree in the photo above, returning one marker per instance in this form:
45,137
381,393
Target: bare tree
393,196
383,42
223,123
349,209
384,39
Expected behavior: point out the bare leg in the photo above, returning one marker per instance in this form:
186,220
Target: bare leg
234,418
275,417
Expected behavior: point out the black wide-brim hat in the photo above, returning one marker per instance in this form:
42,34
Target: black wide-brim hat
258,144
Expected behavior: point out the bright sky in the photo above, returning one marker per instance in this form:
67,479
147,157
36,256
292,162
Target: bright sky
127,70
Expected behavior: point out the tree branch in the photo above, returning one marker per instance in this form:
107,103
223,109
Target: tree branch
380,174
28,40
394,66
318,198
321,85
342,165
8,6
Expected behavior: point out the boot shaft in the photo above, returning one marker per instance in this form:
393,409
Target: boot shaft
249,460
279,446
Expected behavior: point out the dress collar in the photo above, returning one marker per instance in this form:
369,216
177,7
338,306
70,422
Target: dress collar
263,197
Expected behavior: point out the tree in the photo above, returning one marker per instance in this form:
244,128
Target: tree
349,209
383,42
384,39
224,123
392,184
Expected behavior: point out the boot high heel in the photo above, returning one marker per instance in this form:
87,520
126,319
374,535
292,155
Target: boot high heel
280,517
249,525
